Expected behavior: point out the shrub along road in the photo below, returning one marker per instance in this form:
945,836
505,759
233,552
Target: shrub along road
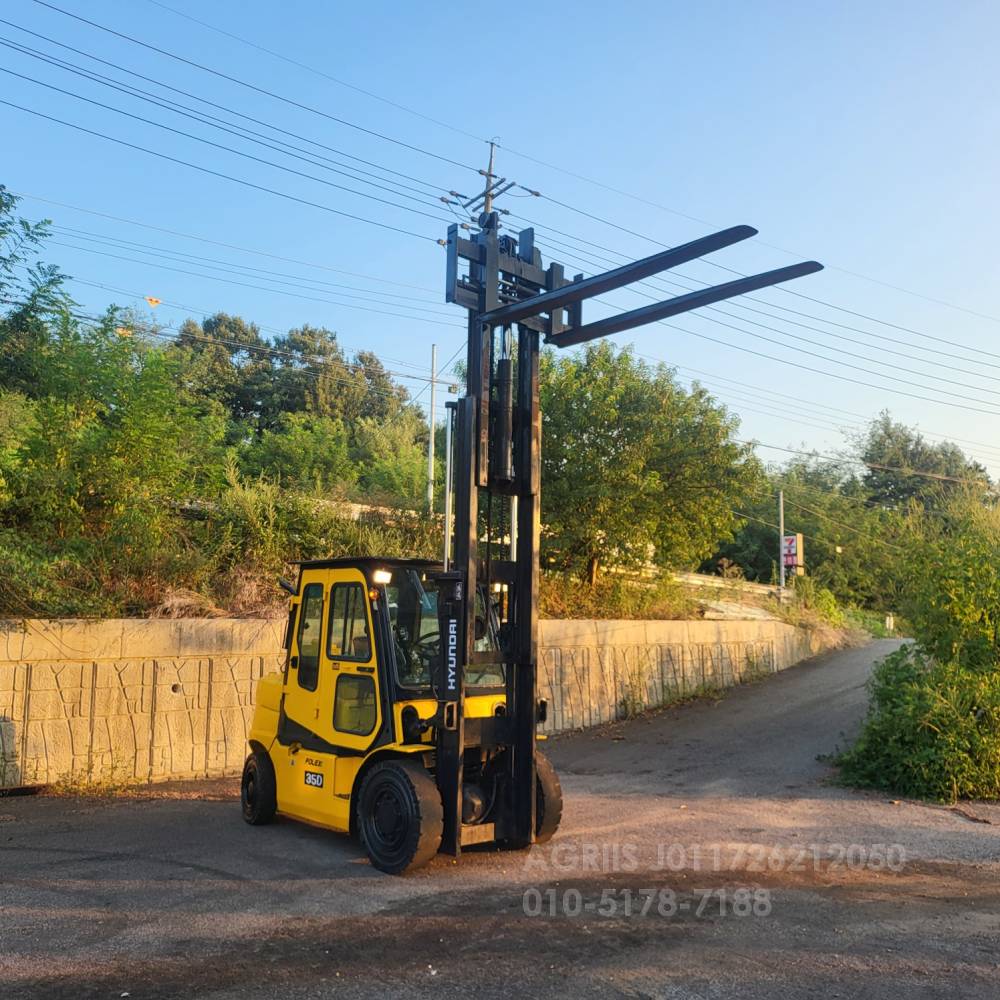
758,878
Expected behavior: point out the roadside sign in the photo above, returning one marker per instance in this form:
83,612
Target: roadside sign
793,553
788,546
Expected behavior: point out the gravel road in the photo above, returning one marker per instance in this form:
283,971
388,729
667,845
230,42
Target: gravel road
704,853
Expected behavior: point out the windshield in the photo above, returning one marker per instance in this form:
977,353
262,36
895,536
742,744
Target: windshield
411,600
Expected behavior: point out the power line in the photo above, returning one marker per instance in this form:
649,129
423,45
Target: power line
509,149
772,246
219,243
224,148
790,341
770,409
865,419
254,87
369,277
443,367
663,283
257,286
217,173
391,139
806,418
241,131
785,361
769,524
788,291
342,369
872,506
853,354
318,72
875,466
213,104
847,527
206,313
244,270
745,401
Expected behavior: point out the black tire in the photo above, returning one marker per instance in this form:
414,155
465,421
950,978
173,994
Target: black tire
259,789
548,799
399,816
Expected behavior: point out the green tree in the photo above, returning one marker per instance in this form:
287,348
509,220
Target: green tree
303,451
312,374
894,453
116,447
391,459
953,593
27,301
634,466
225,358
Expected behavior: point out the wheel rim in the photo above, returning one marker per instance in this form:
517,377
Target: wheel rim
249,790
388,820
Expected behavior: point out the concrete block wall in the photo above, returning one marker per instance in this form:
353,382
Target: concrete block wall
144,700
128,700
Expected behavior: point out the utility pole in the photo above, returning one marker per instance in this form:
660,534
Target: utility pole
488,203
430,439
781,538
449,430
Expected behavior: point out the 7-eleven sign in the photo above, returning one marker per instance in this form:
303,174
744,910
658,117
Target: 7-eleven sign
793,553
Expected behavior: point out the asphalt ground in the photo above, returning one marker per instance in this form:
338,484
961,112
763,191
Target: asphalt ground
706,851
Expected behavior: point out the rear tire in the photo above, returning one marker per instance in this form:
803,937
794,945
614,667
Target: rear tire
399,816
259,789
548,799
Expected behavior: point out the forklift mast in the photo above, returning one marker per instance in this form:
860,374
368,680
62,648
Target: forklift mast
495,464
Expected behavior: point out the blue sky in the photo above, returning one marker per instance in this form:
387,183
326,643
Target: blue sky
862,135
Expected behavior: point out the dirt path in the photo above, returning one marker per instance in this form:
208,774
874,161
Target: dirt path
704,853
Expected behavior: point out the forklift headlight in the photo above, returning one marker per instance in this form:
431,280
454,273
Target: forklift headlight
382,577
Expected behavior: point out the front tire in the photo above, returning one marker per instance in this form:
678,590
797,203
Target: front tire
259,789
548,799
399,816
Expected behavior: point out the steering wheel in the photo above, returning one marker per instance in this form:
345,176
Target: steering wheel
428,648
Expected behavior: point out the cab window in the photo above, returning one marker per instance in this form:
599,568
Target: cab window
310,626
413,614
348,637
354,708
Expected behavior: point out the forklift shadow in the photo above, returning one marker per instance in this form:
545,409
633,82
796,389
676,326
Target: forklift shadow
328,847
339,856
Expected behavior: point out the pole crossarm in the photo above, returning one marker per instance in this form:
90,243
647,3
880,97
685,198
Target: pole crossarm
587,288
680,304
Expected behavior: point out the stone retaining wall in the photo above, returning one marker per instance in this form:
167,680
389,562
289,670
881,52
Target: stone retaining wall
139,699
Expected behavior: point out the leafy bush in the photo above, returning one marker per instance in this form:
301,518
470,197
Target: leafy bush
873,622
953,598
933,727
932,731
810,605
564,595
304,452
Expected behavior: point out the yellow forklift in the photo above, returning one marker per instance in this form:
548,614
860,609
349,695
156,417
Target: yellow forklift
345,737
407,710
